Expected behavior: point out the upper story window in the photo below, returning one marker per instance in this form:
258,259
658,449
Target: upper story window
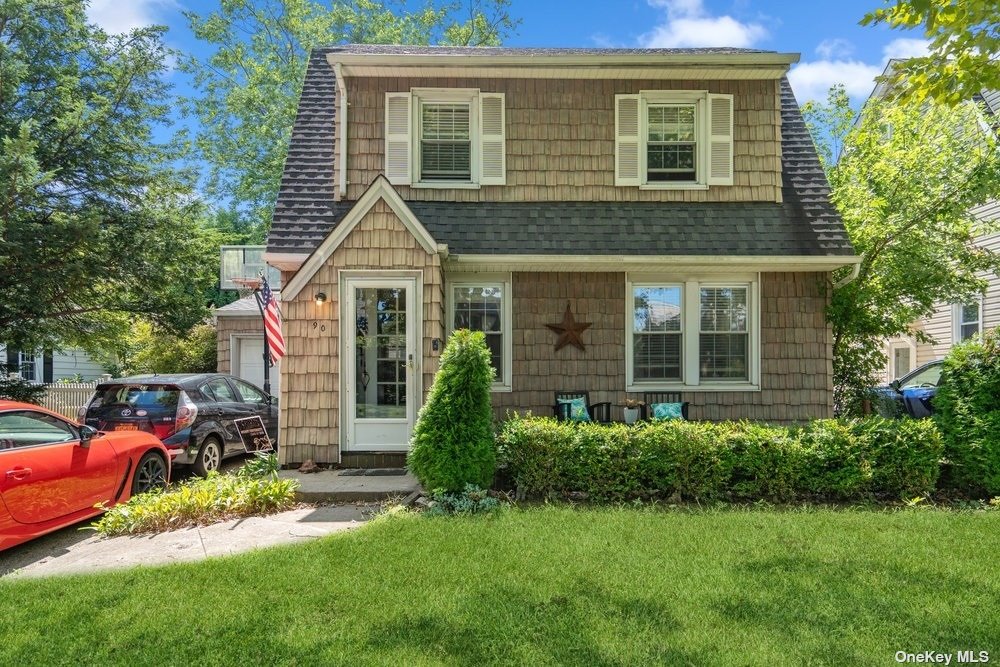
445,138
445,142
673,139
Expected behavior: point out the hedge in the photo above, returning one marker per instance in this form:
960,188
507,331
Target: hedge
967,411
742,461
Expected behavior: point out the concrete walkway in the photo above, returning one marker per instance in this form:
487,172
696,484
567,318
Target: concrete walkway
74,551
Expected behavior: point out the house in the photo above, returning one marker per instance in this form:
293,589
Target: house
239,327
51,365
950,323
666,205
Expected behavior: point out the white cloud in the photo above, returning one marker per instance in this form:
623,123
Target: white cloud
687,24
116,16
811,80
905,47
832,49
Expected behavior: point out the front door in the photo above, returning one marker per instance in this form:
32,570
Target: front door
380,366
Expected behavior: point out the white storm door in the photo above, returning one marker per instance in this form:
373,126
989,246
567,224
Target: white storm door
380,363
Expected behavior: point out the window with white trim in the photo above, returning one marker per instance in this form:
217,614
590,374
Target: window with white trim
656,333
968,318
692,334
483,304
445,138
673,139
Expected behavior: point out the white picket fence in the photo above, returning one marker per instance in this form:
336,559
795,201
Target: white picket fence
68,398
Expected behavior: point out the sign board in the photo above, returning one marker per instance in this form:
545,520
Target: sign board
253,434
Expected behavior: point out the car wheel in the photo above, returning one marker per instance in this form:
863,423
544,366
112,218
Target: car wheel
209,457
150,474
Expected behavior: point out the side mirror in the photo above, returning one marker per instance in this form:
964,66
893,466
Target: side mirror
87,434
895,384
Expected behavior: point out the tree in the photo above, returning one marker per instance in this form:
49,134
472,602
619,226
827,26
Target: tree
149,350
452,443
248,87
95,224
964,53
904,185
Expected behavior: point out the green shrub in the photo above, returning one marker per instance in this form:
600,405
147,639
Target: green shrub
14,388
824,460
767,461
471,500
453,441
967,411
199,502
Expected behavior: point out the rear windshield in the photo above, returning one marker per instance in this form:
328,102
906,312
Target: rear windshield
136,396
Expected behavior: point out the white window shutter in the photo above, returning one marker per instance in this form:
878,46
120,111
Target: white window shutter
627,140
720,141
398,142
492,144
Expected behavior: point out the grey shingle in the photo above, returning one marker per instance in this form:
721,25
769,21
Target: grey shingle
412,50
804,224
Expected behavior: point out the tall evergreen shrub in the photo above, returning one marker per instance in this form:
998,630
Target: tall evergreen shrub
453,441
967,412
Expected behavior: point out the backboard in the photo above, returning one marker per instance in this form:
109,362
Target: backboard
245,261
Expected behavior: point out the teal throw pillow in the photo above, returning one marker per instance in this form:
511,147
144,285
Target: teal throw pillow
577,409
668,411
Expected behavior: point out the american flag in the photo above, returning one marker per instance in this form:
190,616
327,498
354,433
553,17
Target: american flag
272,322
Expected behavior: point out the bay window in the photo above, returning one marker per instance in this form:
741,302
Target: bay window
692,334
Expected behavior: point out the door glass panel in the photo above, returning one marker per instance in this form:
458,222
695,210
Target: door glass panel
380,353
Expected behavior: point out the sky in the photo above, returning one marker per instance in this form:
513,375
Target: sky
833,47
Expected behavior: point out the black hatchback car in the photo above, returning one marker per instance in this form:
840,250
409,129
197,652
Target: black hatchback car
192,414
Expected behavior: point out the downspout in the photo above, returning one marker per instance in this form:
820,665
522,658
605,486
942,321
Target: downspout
342,113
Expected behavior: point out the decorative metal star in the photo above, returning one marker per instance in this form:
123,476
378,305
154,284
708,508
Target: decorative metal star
569,331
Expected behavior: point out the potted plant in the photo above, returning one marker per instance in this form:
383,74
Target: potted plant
631,410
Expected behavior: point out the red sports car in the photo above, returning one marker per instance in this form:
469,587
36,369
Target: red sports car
54,472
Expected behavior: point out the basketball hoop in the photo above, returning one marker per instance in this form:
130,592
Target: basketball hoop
246,286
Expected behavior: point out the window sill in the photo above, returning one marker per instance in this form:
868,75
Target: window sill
673,186
678,387
500,389
443,185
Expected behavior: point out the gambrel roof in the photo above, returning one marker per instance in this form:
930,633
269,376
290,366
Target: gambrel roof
804,224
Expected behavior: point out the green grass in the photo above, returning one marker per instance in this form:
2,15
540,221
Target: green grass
545,586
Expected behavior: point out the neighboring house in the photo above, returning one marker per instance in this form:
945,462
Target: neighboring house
669,200
239,328
951,323
50,366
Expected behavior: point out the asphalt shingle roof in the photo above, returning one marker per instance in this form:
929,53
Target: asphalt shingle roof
413,50
804,224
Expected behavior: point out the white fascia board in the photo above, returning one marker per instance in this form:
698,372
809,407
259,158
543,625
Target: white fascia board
568,60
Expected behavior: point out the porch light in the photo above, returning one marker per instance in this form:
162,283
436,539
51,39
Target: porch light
320,298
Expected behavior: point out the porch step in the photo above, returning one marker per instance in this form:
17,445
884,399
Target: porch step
340,486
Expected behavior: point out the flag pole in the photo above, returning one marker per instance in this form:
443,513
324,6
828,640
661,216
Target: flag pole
267,345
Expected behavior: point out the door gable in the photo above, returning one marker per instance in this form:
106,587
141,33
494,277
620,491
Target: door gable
380,189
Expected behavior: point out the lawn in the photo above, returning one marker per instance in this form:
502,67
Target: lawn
550,585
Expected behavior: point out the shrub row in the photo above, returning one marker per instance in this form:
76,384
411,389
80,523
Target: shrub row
826,459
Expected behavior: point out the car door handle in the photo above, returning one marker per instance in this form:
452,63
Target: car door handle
18,473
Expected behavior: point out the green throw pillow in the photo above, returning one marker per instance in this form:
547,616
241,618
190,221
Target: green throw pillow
577,409
668,411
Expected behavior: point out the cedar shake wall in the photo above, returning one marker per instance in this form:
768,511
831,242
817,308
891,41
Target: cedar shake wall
560,139
310,380
796,348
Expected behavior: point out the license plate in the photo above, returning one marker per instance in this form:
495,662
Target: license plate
126,427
